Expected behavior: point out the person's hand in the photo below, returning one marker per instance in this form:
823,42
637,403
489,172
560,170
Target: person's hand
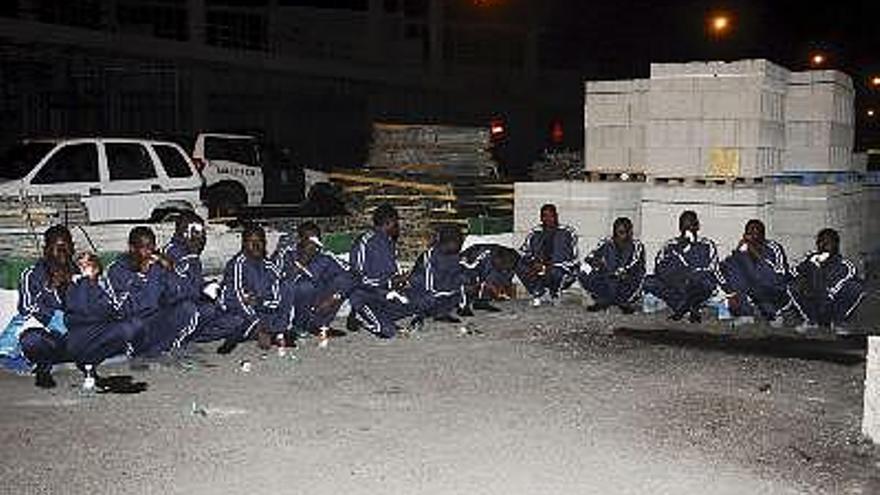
399,281
164,261
329,304
89,265
734,302
59,278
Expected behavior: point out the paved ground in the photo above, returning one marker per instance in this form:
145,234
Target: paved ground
546,401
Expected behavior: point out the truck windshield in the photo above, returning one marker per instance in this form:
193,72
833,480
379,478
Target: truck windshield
17,161
244,151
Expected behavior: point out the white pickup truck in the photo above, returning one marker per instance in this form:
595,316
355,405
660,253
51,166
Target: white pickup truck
238,174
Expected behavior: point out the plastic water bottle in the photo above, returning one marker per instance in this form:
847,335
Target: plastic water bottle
281,343
89,382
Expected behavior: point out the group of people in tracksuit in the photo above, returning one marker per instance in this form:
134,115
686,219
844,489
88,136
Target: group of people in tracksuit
755,280
150,301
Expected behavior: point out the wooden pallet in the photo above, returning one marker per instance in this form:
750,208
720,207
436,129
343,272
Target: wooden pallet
707,181
610,176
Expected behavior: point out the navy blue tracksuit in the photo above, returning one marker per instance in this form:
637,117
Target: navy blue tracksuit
614,275
250,297
285,255
436,283
479,270
100,325
557,248
685,274
126,312
828,291
761,283
304,287
44,345
373,261
188,268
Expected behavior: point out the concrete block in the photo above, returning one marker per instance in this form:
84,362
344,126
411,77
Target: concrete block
665,105
674,162
609,87
799,159
608,159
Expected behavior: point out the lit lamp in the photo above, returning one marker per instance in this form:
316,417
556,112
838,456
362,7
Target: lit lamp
719,25
875,81
818,59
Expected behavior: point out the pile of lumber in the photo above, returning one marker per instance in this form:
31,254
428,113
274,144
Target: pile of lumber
432,150
422,205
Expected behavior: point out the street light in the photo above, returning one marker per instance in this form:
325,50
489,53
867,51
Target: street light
719,24
871,112
875,81
818,59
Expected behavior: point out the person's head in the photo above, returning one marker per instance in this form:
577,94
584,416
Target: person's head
58,245
688,222
141,244
253,241
755,232
386,219
504,259
449,239
623,231
549,216
191,228
308,240
828,241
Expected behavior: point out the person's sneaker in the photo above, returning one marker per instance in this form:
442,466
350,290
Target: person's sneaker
596,307
44,378
228,346
351,323
465,312
677,316
416,324
447,319
264,340
486,306
536,302
626,309
695,316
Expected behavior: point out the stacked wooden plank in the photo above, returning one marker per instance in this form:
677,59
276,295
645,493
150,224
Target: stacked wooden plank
432,150
423,204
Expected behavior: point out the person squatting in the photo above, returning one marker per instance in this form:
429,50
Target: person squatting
154,301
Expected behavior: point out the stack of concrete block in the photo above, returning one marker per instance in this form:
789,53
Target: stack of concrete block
723,212
589,207
870,203
801,211
615,115
716,119
819,120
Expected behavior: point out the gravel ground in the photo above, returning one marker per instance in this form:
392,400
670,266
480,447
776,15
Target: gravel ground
550,401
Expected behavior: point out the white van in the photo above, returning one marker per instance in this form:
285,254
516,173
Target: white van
232,165
116,179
